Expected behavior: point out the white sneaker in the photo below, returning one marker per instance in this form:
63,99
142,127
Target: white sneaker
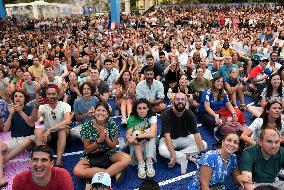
150,168
141,170
183,166
123,121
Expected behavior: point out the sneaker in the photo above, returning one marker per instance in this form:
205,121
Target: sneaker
194,158
281,174
123,121
243,107
150,168
183,166
247,93
141,170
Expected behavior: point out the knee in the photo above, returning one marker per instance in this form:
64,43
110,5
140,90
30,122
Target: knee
126,159
77,171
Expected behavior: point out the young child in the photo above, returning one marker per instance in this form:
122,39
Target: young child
235,88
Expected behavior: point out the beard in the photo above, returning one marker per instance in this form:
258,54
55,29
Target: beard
179,107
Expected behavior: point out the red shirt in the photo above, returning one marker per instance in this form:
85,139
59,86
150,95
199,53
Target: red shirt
60,180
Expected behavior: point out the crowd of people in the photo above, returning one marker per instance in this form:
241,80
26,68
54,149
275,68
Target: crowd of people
179,65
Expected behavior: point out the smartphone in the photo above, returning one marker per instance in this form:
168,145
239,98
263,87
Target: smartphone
45,100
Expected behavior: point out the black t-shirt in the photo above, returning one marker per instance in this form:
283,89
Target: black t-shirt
25,63
19,128
179,126
156,69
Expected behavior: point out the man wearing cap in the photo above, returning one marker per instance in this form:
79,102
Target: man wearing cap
258,75
101,181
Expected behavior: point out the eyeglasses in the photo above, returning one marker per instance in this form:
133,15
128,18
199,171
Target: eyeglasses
53,115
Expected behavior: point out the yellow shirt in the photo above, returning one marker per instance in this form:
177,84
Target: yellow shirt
37,71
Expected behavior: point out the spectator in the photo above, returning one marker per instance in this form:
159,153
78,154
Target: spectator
42,175
227,67
158,73
109,74
152,90
84,103
262,162
149,184
100,139
101,181
270,118
30,87
215,166
56,117
141,133
102,90
125,94
37,69
179,131
215,104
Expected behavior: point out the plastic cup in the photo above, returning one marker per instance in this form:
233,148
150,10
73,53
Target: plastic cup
121,143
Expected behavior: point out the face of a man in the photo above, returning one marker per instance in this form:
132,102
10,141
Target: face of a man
180,102
149,76
94,74
270,143
52,95
41,165
35,61
108,66
49,71
150,62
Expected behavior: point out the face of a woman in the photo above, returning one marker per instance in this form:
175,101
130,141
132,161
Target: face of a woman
130,61
101,113
183,80
231,143
140,49
203,62
126,76
219,84
87,91
275,110
19,73
142,110
27,77
199,73
73,77
1,75
275,81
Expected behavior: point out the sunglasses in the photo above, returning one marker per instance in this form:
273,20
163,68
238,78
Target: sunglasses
53,115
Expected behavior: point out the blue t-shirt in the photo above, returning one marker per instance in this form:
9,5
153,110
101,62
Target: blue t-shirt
207,96
221,172
19,128
232,82
225,70
81,106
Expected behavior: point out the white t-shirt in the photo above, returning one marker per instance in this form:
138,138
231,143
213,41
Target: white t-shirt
53,117
255,127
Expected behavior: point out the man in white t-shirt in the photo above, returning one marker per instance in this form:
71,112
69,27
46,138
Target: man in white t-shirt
109,74
53,118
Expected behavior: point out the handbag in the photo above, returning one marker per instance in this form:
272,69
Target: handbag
99,159
231,126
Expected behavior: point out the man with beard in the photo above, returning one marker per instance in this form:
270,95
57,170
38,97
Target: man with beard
152,90
42,175
261,163
180,131
56,118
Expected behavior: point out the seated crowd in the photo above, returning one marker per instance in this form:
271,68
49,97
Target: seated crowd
63,81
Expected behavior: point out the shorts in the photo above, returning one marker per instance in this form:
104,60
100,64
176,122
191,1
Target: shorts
15,141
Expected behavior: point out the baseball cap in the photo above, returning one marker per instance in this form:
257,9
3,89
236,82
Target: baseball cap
102,178
264,58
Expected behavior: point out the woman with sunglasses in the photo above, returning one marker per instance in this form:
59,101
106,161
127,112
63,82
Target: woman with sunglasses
269,119
141,133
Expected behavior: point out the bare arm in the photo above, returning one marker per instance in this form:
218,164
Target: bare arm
63,124
247,176
151,133
246,136
205,177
